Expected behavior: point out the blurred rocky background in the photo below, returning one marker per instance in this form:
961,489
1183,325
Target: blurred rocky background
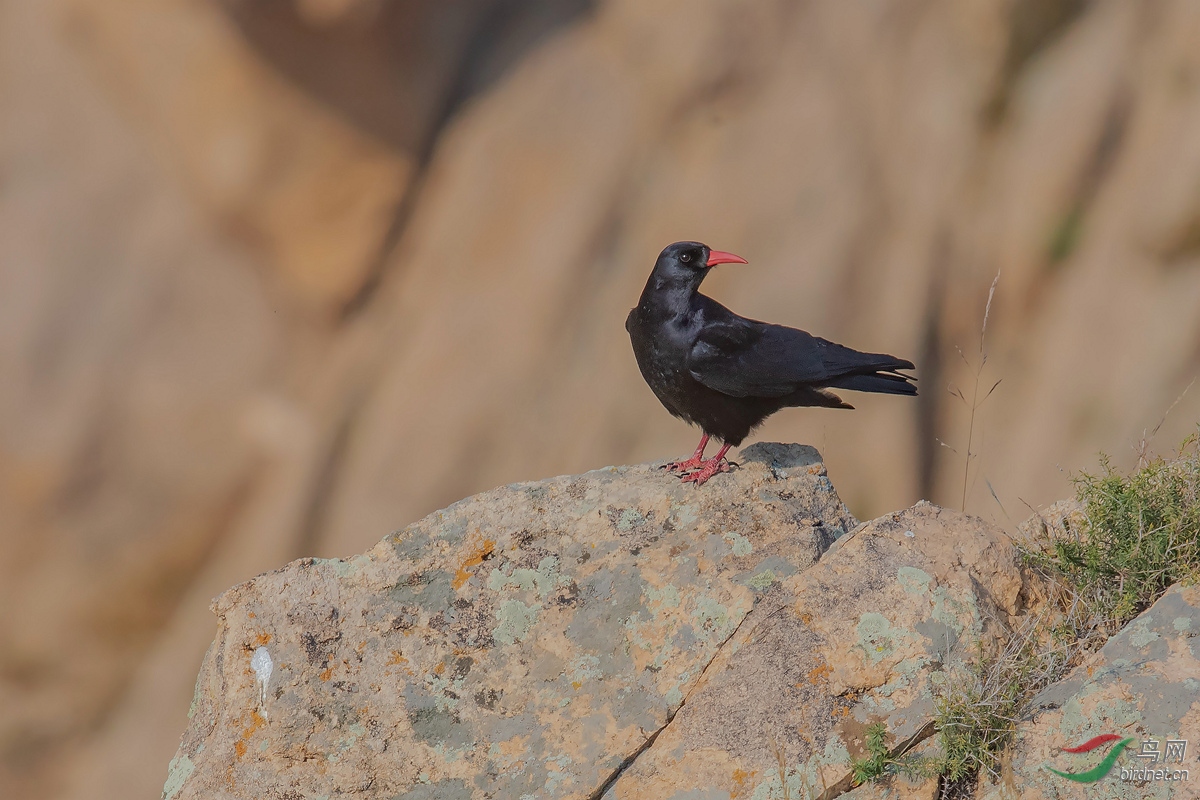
280,276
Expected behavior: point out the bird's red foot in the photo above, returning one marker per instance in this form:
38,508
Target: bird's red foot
707,470
680,467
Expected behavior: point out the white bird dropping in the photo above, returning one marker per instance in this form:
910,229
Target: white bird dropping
262,665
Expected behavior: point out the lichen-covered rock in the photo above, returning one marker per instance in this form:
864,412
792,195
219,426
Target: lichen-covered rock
1144,684
852,641
521,643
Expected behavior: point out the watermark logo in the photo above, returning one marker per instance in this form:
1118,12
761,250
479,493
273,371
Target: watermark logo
1106,764
1152,753
1172,751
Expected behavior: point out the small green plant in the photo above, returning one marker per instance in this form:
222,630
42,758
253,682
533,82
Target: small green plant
878,759
880,762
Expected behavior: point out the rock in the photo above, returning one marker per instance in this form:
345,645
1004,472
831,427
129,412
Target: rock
614,631
526,641
851,641
1143,684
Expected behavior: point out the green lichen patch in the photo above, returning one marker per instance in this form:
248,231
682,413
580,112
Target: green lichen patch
876,636
514,621
739,545
913,580
762,580
583,668
713,618
959,614
178,771
663,597
1141,635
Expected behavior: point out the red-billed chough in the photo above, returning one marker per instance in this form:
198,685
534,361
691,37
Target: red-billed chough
726,373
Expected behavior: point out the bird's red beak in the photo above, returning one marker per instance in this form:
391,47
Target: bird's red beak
718,257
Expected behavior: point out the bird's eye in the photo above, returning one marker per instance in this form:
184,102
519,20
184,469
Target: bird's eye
686,257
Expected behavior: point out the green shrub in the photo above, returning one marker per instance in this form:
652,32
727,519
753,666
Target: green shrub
1142,534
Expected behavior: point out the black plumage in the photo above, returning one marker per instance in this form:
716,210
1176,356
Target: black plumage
726,373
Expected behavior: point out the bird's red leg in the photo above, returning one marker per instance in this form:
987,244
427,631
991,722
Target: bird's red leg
695,462
711,467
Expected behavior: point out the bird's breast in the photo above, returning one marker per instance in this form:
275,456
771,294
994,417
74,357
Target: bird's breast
661,346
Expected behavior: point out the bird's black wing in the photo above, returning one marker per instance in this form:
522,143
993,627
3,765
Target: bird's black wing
745,358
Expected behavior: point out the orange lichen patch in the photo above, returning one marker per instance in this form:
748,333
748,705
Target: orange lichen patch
396,658
739,783
327,674
256,721
440,668
262,639
817,673
806,618
474,560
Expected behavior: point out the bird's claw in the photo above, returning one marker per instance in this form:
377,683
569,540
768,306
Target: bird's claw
682,467
706,471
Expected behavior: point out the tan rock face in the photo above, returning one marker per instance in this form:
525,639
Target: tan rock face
312,194
544,639
523,642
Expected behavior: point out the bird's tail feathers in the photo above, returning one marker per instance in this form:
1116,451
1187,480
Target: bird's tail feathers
880,383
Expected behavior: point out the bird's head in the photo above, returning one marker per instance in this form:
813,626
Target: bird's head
684,264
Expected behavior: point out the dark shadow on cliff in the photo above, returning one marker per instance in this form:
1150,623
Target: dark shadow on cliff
398,70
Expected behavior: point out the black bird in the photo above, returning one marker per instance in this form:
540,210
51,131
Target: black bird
726,373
